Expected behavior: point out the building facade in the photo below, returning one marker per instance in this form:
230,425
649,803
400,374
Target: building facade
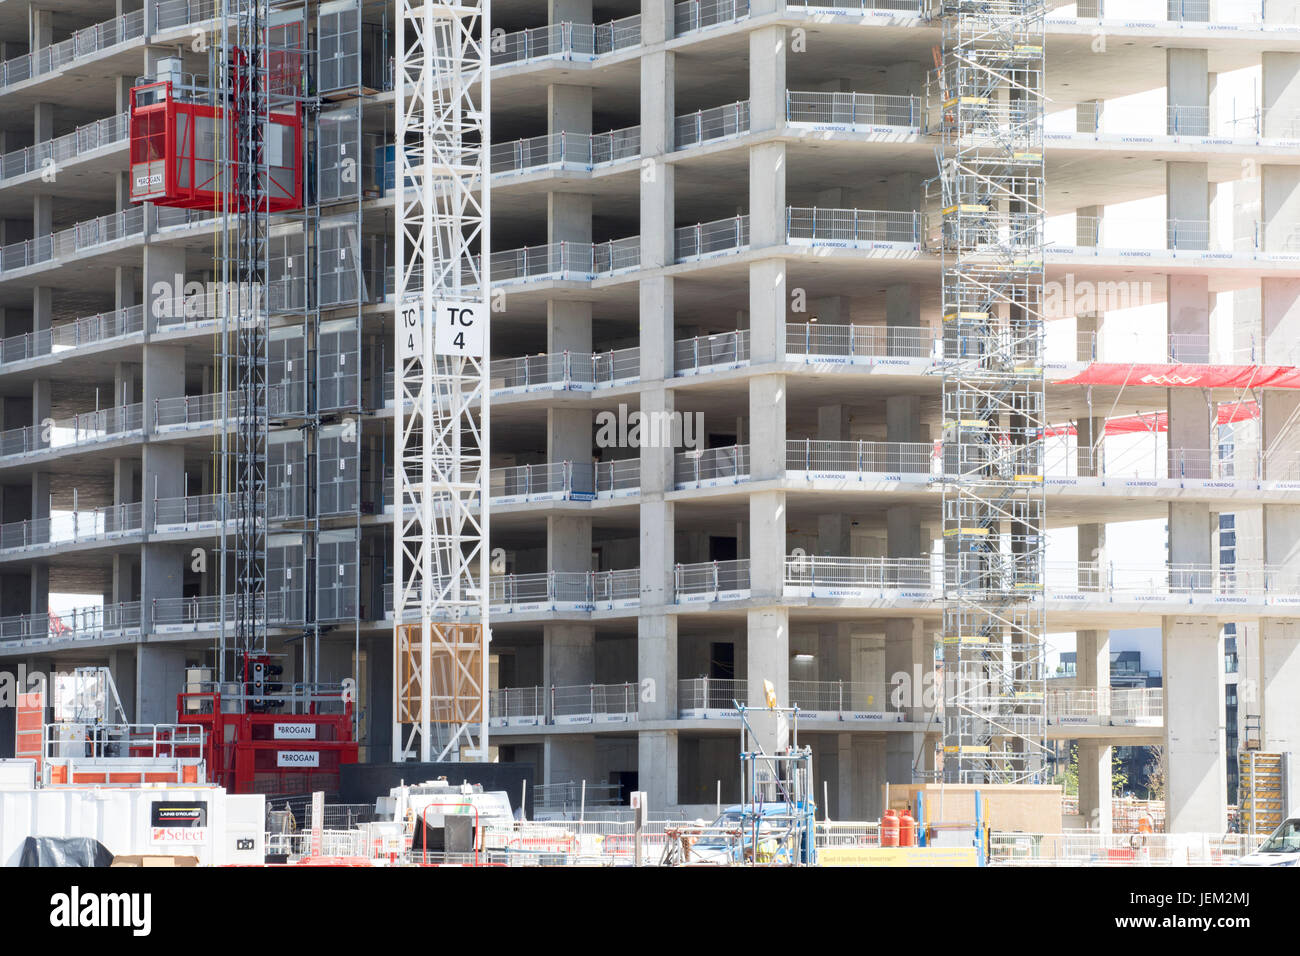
716,379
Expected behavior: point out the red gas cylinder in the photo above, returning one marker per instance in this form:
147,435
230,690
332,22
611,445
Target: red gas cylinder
889,828
906,829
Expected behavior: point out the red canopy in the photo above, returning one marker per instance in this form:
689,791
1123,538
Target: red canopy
1195,376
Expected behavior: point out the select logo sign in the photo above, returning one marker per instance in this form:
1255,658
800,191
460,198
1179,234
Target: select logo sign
173,822
297,758
295,731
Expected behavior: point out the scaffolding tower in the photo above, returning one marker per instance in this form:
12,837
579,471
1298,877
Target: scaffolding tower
441,561
990,84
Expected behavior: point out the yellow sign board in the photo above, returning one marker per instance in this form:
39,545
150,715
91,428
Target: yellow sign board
897,856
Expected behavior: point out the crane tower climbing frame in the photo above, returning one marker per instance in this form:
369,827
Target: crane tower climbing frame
441,561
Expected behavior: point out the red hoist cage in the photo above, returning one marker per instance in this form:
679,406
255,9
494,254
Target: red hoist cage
252,748
179,127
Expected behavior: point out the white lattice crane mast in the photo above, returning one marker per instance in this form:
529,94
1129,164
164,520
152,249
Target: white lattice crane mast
440,566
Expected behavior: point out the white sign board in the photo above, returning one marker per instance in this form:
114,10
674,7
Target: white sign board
295,731
461,329
297,758
410,331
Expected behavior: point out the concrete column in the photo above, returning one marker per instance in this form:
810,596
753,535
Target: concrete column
1189,412
1092,661
569,439
163,279
41,411
833,528
768,48
767,310
1088,336
1279,648
1087,225
569,111
657,767
1095,783
1188,83
1088,116
1196,800
1280,92
767,548
121,663
160,676
844,772
1089,453
768,655
657,630
1280,208
903,318
909,660
767,428
767,202
1187,205
1091,541
568,654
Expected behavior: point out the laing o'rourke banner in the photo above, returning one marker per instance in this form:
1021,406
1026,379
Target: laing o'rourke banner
1188,376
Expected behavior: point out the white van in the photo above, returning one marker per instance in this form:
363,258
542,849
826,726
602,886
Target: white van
1282,848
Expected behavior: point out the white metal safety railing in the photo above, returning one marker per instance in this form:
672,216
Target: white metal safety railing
689,15
853,225
820,340
1178,235
612,477
1093,848
513,703
913,7
566,587
567,369
564,148
77,624
1136,704
842,696
52,153
188,510
276,608
69,527
88,330
852,110
566,40
1123,580
710,693
594,700
830,572
545,478
83,43
705,351
567,260
707,238
710,578
706,125
84,429
169,14
816,455
711,465
75,239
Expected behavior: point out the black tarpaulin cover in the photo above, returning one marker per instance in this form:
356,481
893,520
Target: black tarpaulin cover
64,851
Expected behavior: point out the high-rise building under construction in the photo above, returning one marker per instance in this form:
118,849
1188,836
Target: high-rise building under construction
830,338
